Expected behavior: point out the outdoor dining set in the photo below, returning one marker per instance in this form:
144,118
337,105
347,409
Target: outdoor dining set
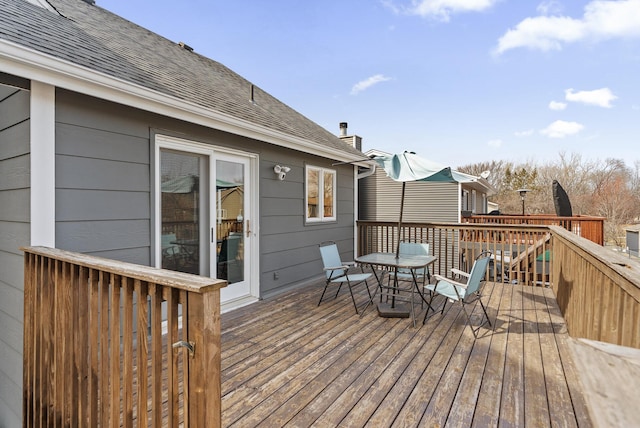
407,270
402,279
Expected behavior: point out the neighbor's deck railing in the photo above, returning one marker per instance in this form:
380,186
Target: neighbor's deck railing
95,351
591,228
519,252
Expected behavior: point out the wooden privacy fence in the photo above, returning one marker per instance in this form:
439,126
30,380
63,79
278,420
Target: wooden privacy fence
521,254
598,290
589,227
108,343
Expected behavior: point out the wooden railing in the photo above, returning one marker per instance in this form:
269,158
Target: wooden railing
598,290
95,353
520,253
591,228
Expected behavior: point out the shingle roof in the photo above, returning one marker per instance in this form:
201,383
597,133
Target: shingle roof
92,37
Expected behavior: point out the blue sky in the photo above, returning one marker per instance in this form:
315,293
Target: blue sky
457,81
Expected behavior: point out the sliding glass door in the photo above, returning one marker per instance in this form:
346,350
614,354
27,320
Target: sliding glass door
204,214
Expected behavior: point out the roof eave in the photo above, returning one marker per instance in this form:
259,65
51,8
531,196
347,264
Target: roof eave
34,65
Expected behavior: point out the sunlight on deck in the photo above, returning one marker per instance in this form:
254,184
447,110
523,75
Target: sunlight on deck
287,362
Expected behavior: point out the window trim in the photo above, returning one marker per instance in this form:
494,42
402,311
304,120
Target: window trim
321,173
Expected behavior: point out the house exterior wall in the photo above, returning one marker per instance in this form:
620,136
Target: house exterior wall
476,203
14,233
103,179
633,242
289,246
104,194
104,190
380,198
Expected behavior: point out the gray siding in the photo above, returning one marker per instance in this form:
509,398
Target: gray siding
380,198
102,179
15,232
104,190
289,246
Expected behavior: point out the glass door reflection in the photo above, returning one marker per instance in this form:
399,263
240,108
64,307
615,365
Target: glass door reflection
180,201
230,221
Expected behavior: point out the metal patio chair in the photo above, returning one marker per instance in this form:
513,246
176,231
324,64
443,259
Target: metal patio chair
413,248
465,293
337,272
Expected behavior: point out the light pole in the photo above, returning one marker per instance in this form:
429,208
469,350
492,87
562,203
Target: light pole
523,194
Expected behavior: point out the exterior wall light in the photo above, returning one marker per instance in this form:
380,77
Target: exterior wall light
281,171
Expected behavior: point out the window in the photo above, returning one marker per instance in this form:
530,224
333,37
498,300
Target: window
473,201
465,200
320,194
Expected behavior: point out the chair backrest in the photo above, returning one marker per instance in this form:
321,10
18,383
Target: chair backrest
331,258
414,249
167,239
477,272
166,243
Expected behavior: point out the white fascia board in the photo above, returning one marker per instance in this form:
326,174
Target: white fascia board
34,65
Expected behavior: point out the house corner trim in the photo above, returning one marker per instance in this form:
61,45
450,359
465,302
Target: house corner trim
42,142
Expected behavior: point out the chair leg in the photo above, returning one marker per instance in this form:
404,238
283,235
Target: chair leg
426,314
338,292
469,320
485,312
486,317
323,291
352,297
366,284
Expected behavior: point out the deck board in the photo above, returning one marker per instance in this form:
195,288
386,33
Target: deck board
288,362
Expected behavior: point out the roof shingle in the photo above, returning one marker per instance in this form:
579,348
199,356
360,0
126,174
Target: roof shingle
97,39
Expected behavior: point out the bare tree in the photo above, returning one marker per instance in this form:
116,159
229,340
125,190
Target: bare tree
606,188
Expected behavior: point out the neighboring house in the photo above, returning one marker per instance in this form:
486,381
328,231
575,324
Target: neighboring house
379,198
633,240
117,142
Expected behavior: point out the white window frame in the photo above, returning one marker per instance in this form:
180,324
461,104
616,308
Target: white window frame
321,173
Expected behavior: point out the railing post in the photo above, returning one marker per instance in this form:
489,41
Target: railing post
203,328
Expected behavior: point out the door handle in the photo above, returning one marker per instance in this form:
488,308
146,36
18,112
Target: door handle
248,228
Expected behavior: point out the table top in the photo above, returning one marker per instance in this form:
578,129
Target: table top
403,261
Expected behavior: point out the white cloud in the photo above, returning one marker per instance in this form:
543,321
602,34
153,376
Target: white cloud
367,83
443,9
557,105
494,143
602,20
561,129
527,133
550,7
599,97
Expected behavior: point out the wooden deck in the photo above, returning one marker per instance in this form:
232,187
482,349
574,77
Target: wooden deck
287,362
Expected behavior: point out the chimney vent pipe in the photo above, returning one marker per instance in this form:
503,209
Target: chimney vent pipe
343,129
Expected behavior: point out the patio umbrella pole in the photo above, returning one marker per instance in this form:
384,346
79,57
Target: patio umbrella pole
400,220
